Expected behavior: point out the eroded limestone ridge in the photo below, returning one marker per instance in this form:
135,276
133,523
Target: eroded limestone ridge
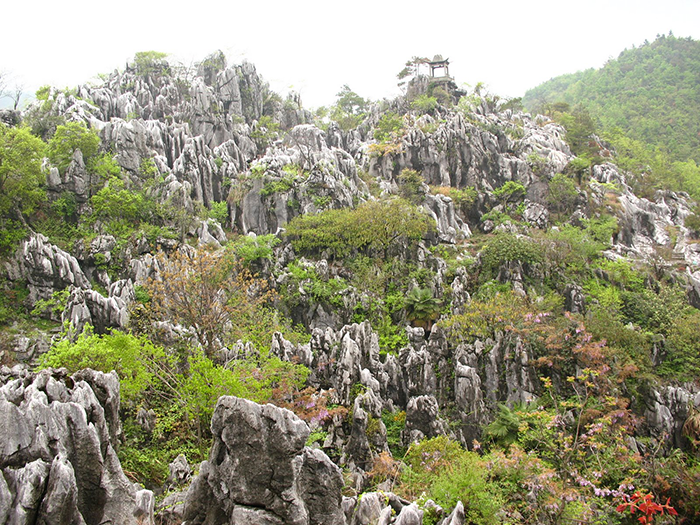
57,452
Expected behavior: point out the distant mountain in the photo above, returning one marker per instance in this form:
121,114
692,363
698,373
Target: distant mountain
651,93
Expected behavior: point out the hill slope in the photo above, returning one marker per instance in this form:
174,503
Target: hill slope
651,93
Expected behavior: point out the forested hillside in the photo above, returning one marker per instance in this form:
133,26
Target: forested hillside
432,309
651,93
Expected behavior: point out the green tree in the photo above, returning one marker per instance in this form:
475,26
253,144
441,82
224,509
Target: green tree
349,109
562,194
68,138
207,291
374,225
150,62
21,176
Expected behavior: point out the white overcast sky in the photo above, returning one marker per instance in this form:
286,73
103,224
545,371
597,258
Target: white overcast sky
314,47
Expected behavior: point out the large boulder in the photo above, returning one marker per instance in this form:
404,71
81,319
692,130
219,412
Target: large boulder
259,471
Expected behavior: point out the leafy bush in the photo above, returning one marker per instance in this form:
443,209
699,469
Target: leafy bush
481,319
511,191
21,176
446,473
68,138
389,128
424,103
264,131
506,248
682,361
374,225
219,211
115,201
250,248
128,355
150,62
562,194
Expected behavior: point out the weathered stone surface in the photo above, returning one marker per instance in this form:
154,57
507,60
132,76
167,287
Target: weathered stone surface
57,452
47,268
456,517
258,469
179,472
423,420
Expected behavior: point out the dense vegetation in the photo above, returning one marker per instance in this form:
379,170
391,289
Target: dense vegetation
644,102
201,323
649,92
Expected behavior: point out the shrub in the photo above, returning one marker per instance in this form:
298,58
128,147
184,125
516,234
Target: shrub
389,128
511,191
219,211
68,138
446,473
115,201
505,248
150,62
424,103
250,248
374,225
21,175
562,194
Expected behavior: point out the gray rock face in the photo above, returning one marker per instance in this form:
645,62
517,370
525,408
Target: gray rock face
57,450
47,268
260,472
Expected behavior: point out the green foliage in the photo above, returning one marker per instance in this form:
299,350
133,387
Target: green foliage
569,250
374,225
280,185
12,299
511,191
410,185
389,128
305,281
349,109
424,103
66,206
394,422
68,138
692,222
563,194
264,131
504,428
115,201
11,234
682,362
219,211
54,306
446,473
128,355
505,248
484,318
105,166
316,436
21,176
421,306
649,92
655,311
411,68
151,62
251,249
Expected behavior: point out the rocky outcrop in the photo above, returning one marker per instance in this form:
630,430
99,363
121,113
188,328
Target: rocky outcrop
89,307
260,472
57,452
46,268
